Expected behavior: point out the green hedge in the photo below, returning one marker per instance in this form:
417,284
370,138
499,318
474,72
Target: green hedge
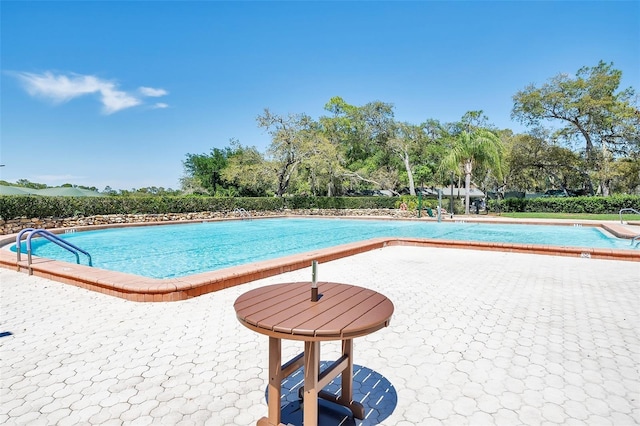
15,206
594,205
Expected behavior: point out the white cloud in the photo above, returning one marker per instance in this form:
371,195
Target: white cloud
58,88
160,105
150,91
62,88
115,100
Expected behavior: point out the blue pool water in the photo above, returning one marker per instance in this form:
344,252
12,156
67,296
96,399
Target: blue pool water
166,251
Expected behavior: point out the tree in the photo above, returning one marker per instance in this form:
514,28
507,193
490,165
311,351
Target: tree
533,163
323,166
27,184
205,169
406,141
109,191
361,134
189,185
292,140
591,109
360,131
430,151
626,172
470,121
247,172
480,147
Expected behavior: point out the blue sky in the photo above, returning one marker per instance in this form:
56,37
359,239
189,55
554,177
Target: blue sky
117,93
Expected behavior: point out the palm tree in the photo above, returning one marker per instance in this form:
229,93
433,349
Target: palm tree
478,147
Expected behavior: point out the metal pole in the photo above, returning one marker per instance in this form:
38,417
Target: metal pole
439,205
419,204
451,198
314,281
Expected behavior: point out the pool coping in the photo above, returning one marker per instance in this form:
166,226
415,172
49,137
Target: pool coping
142,289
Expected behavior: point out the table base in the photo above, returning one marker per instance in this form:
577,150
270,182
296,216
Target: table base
314,381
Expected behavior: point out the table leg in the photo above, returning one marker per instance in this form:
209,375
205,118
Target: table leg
346,395
314,382
311,370
275,382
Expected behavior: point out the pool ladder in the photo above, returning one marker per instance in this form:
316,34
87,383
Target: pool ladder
243,213
635,241
31,232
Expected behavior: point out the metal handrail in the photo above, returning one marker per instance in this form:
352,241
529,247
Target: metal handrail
627,210
54,239
19,238
242,212
635,241
59,241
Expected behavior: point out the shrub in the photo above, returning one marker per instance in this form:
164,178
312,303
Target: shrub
15,206
593,205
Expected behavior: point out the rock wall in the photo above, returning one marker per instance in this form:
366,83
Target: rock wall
16,225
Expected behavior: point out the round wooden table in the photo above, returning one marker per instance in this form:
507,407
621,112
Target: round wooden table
286,311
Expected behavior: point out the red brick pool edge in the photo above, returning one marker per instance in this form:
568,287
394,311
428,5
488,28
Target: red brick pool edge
143,289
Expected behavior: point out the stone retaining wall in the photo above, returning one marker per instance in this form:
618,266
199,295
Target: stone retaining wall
16,225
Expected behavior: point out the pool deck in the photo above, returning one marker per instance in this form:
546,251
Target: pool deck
143,289
477,337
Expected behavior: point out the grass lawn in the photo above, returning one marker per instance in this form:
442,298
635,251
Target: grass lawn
585,216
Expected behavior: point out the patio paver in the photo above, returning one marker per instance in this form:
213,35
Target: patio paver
477,337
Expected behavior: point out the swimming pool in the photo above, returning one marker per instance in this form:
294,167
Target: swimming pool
169,251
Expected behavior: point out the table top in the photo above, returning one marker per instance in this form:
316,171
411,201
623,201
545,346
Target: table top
286,311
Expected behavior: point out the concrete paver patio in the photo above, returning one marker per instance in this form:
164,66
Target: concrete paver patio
477,337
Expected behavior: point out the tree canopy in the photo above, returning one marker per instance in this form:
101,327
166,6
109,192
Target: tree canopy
590,108
354,149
